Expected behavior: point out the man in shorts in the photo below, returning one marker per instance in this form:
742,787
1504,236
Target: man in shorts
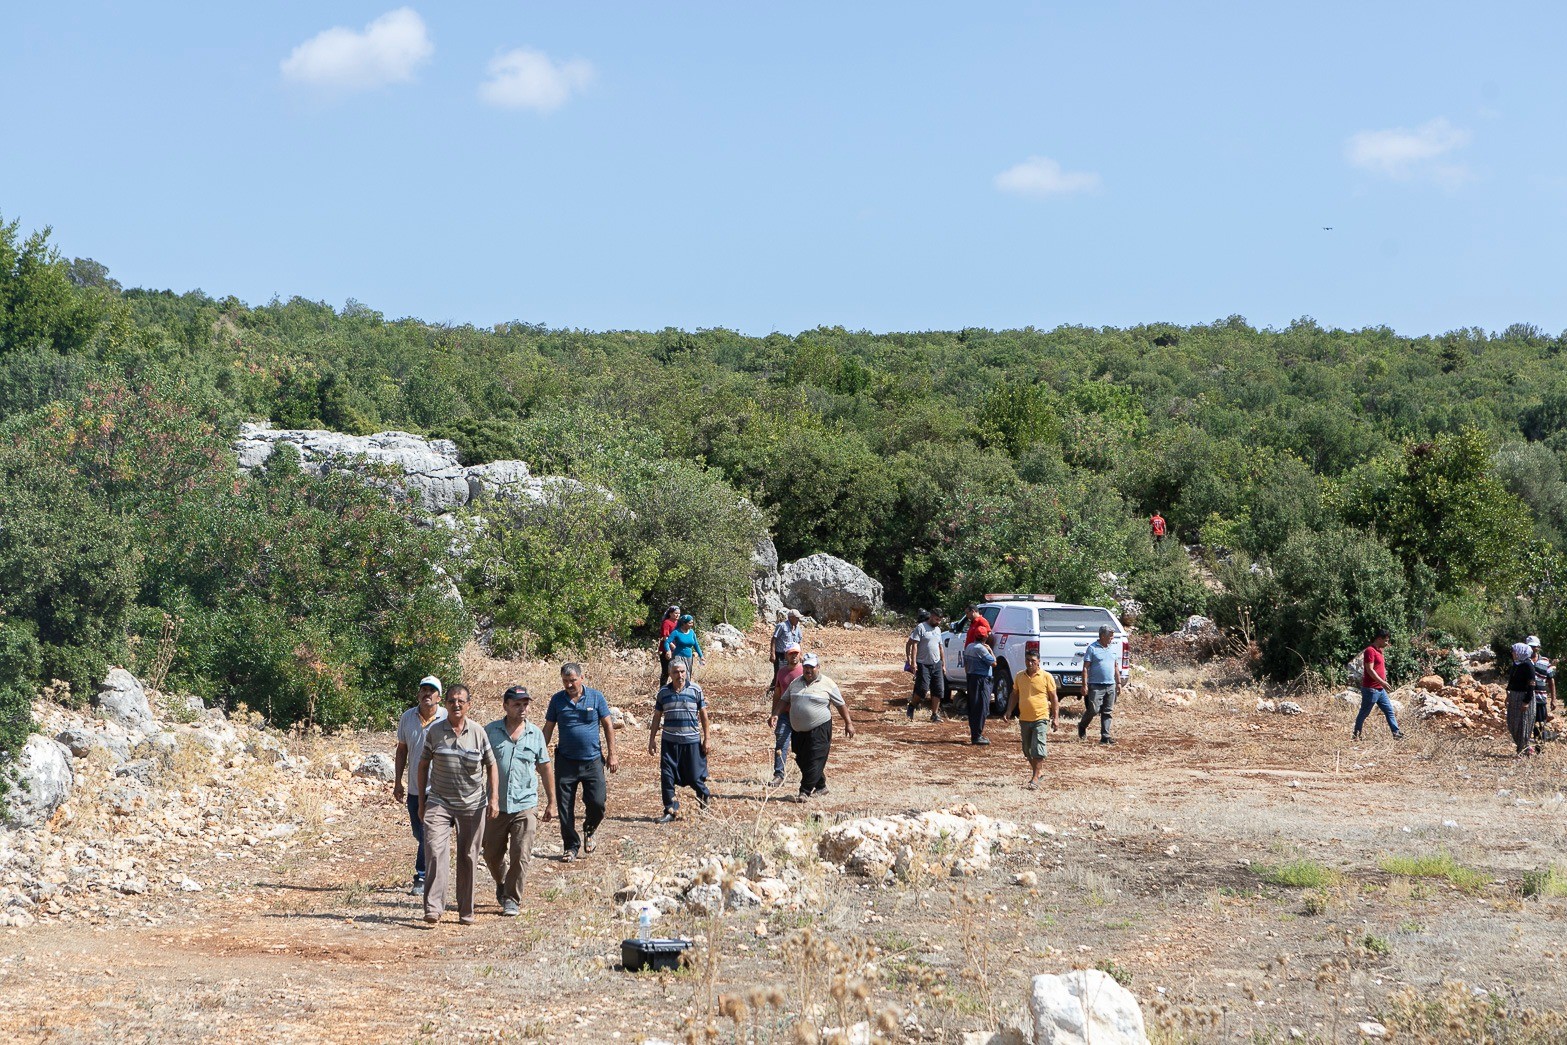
1037,704
924,656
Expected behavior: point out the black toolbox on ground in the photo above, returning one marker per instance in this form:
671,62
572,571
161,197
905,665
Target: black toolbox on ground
637,955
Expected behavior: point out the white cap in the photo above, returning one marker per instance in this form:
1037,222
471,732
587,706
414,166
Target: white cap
808,661
431,680
1533,640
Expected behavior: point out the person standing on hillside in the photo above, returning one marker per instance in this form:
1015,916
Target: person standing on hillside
411,731
1100,684
1373,685
979,660
924,656
667,625
789,632
788,670
523,765
809,701
457,774
1544,689
1156,527
1035,700
581,714
681,709
683,645
1520,699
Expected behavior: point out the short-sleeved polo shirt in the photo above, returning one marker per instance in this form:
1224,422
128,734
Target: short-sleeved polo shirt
518,761
1099,663
682,708
411,732
457,764
578,723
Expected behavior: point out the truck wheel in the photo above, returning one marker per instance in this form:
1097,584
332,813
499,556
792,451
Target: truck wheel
1000,692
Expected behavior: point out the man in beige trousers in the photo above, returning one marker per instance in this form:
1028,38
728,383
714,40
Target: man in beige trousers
524,765
456,772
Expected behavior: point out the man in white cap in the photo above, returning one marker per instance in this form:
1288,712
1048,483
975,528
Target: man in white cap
809,700
412,729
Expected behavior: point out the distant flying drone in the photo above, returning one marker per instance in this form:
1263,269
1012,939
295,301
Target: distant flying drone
1327,228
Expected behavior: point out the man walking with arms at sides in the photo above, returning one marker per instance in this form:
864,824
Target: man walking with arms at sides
790,632
681,710
411,731
581,714
458,786
789,669
809,701
925,657
1373,685
978,662
523,764
1100,684
1035,701
1156,527
1544,689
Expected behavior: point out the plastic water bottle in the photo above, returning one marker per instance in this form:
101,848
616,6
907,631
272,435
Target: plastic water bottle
645,925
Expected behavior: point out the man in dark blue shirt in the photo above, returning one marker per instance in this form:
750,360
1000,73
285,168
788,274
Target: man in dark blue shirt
581,714
681,709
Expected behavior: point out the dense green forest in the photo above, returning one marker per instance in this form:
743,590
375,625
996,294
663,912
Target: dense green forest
1334,480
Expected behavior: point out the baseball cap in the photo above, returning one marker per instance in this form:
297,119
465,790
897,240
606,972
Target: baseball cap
431,680
793,647
794,613
517,693
809,661
1532,640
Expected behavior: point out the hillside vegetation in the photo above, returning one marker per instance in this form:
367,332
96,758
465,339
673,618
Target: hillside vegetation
1334,480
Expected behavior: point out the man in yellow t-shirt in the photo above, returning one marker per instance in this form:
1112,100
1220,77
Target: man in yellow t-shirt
1034,699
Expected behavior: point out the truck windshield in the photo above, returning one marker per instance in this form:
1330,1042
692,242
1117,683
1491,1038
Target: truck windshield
1088,618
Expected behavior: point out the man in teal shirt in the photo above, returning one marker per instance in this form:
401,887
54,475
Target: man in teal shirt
522,759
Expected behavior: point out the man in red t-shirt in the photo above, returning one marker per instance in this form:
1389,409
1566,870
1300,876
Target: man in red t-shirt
978,627
1373,685
1156,526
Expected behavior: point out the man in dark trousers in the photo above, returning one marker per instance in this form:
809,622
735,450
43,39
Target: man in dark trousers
581,714
681,710
809,701
1101,683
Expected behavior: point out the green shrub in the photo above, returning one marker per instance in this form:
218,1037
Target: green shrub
1436,865
20,663
1298,874
546,576
1167,586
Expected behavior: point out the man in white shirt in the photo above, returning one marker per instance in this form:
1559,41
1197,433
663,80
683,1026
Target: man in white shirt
412,729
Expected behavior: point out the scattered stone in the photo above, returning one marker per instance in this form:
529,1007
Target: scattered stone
1289,707
724,637
1372,1029
960,837
1432,683
378,766
1026,879
1085,1007
141,769
76,740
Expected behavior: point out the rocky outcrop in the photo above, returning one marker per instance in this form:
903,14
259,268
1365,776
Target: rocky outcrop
827,588
1085,1007
40,784
425,471
958,840
123,701
766,584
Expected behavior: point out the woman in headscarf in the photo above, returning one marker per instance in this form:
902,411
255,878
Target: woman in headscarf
683,645
1520,698
667,625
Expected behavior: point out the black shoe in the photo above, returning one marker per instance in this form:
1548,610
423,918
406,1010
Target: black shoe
668,817
936,717
910,711
500,895
1082,730
980,741
705,800
1398,736
1107,740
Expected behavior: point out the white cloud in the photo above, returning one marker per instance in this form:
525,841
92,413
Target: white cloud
388,50
527,79
1041,176
1402,153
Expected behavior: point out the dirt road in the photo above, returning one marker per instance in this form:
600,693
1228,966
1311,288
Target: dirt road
1165,865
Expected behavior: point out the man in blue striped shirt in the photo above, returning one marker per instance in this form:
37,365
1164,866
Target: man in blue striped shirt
681,710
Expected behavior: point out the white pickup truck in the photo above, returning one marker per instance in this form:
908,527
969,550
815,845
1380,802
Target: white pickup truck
1058,630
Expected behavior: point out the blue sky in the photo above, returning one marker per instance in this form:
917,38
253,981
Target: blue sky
880,166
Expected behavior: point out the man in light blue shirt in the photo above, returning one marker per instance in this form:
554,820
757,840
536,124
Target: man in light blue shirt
523,761
789,632
1101,681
